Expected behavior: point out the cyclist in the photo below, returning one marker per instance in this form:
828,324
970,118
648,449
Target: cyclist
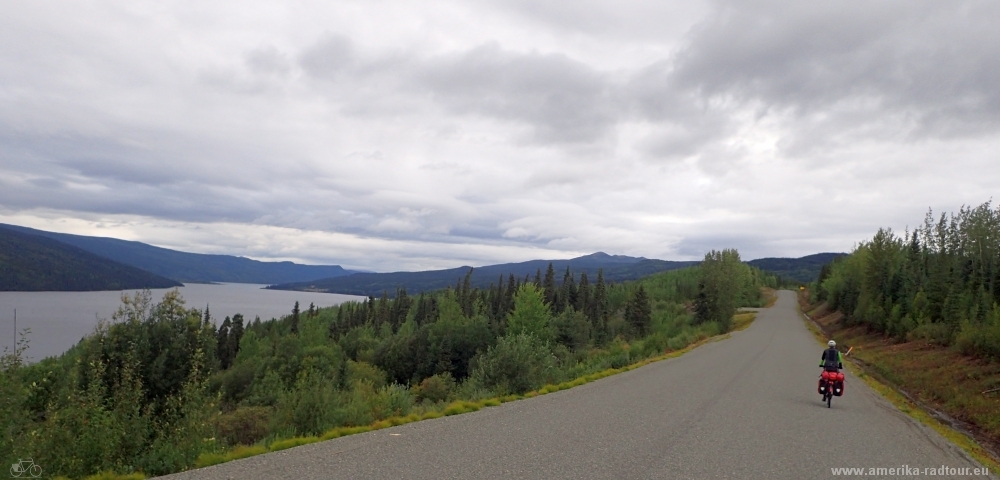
832,360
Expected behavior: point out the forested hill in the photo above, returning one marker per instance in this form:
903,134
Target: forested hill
35,263
804,269
190,267
616,268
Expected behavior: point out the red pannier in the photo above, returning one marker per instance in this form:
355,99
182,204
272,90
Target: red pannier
831,379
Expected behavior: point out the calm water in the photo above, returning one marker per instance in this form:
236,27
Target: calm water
58,320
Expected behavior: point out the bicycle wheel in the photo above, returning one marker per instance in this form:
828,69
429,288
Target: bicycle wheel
35,471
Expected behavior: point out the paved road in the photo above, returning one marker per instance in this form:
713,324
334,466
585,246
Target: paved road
745,407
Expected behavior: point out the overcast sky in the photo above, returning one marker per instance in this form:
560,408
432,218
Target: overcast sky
401,135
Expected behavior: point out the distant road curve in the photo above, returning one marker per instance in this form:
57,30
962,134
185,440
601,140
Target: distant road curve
745,407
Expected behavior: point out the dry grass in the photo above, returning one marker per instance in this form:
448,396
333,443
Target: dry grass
916,375
743,320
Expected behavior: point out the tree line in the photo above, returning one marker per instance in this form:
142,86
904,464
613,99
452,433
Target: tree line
940,282
160,383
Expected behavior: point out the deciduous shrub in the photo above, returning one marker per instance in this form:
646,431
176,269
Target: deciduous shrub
436,388
516,364
243,426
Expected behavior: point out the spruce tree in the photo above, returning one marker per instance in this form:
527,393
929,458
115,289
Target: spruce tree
549,286
567,295
583,294
235,335
639,312
295,318
333,331
465,296
222,344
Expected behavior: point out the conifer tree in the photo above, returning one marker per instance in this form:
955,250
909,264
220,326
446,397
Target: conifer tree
567,295
639,312
235,335
583,294
465,296
222,344
337,324
549,286
420,316
295,318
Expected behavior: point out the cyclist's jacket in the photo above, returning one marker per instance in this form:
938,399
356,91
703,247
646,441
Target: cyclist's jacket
831,359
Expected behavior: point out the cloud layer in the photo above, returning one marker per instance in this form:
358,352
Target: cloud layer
395,136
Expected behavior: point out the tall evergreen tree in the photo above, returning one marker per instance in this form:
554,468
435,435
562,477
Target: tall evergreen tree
222,350
236,331
583,294
295,318
598,310
568,292
639,312
465,297
549,286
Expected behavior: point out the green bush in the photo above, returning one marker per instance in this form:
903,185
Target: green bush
516,364
365,372
243,426
435,388
307,407
391,401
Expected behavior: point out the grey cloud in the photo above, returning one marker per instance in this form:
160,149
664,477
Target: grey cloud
268,60
635,20
441,140
934,65
561,99
565,100
328,57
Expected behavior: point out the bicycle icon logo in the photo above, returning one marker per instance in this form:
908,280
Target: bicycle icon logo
26,468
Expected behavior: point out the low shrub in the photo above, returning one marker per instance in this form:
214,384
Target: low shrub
436,388
516,364
243,426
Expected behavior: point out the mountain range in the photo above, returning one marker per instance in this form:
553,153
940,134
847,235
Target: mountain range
34,263
39,260
190,267
802,270
616,268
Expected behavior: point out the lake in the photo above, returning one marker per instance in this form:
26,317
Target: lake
58,320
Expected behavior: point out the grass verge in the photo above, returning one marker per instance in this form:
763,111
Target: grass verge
740,321
913,375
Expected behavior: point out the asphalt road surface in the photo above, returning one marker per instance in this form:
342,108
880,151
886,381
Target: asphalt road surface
743,407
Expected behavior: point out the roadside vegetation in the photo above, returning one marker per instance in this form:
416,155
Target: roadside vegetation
922,311
161,388
939,283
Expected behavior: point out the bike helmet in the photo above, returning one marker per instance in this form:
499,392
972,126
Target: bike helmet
831,343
